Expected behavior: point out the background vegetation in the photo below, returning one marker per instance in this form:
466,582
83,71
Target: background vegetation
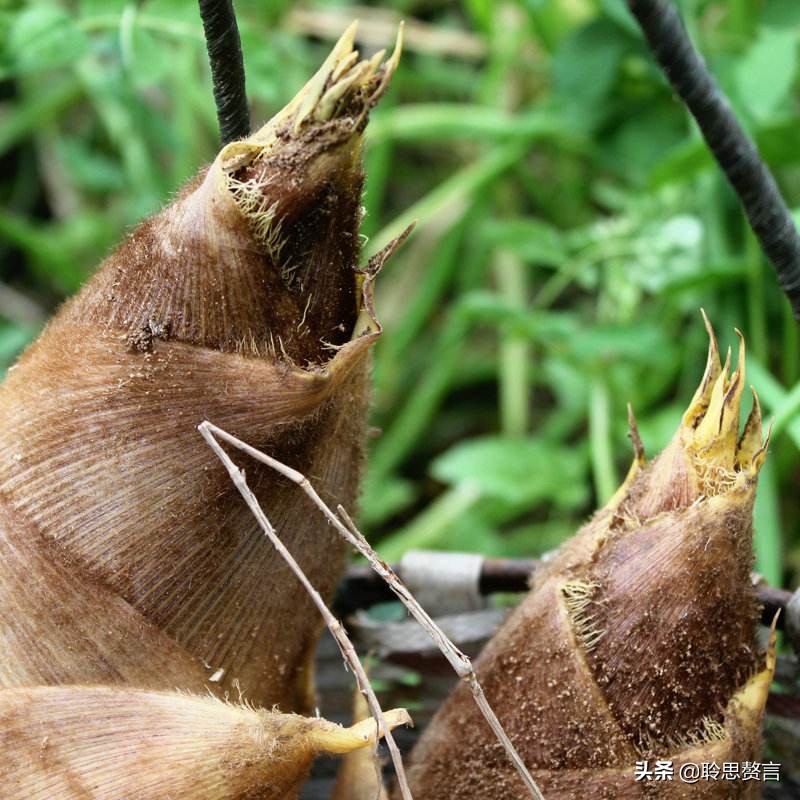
571,226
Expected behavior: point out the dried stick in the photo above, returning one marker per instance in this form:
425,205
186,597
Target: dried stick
734,150
227,68
341,521
334,626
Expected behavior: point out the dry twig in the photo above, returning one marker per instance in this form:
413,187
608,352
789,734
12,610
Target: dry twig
341,521
334,626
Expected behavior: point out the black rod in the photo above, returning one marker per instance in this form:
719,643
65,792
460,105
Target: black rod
364,588
735,151
227,68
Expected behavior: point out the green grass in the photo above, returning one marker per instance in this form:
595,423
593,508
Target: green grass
570,226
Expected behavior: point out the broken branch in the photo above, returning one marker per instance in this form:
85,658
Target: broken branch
334,626
342,522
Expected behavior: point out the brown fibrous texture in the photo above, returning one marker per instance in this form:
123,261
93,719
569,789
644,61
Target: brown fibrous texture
126,556
637,640
108,743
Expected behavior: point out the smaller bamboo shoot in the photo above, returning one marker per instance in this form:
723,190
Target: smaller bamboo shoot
104,743
638,640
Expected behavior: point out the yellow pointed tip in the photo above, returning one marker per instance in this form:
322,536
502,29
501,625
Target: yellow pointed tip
713,347
344,65
756,403
341,73
761,455
729,420
385,73
351,31
331,738
375,62
394,719
391,64
636,466
341,51
752,698
741,363
326,107
773,639
346,42
702,395
636,439
750,443
711,424
310,95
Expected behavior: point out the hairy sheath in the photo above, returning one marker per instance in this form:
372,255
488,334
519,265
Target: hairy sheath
637,640
241,303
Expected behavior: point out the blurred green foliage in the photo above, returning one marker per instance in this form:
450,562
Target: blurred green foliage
571,225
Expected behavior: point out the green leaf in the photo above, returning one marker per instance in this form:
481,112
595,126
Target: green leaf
384,498
648,135
520,471
665,253
765,75
618,11
532,240
148,57
536,539
585,68
37,111
681,164
90,169
781,13
471,533
481,13
44,37
431,527
609,343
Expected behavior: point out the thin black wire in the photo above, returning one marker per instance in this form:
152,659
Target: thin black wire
227,68
735,151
